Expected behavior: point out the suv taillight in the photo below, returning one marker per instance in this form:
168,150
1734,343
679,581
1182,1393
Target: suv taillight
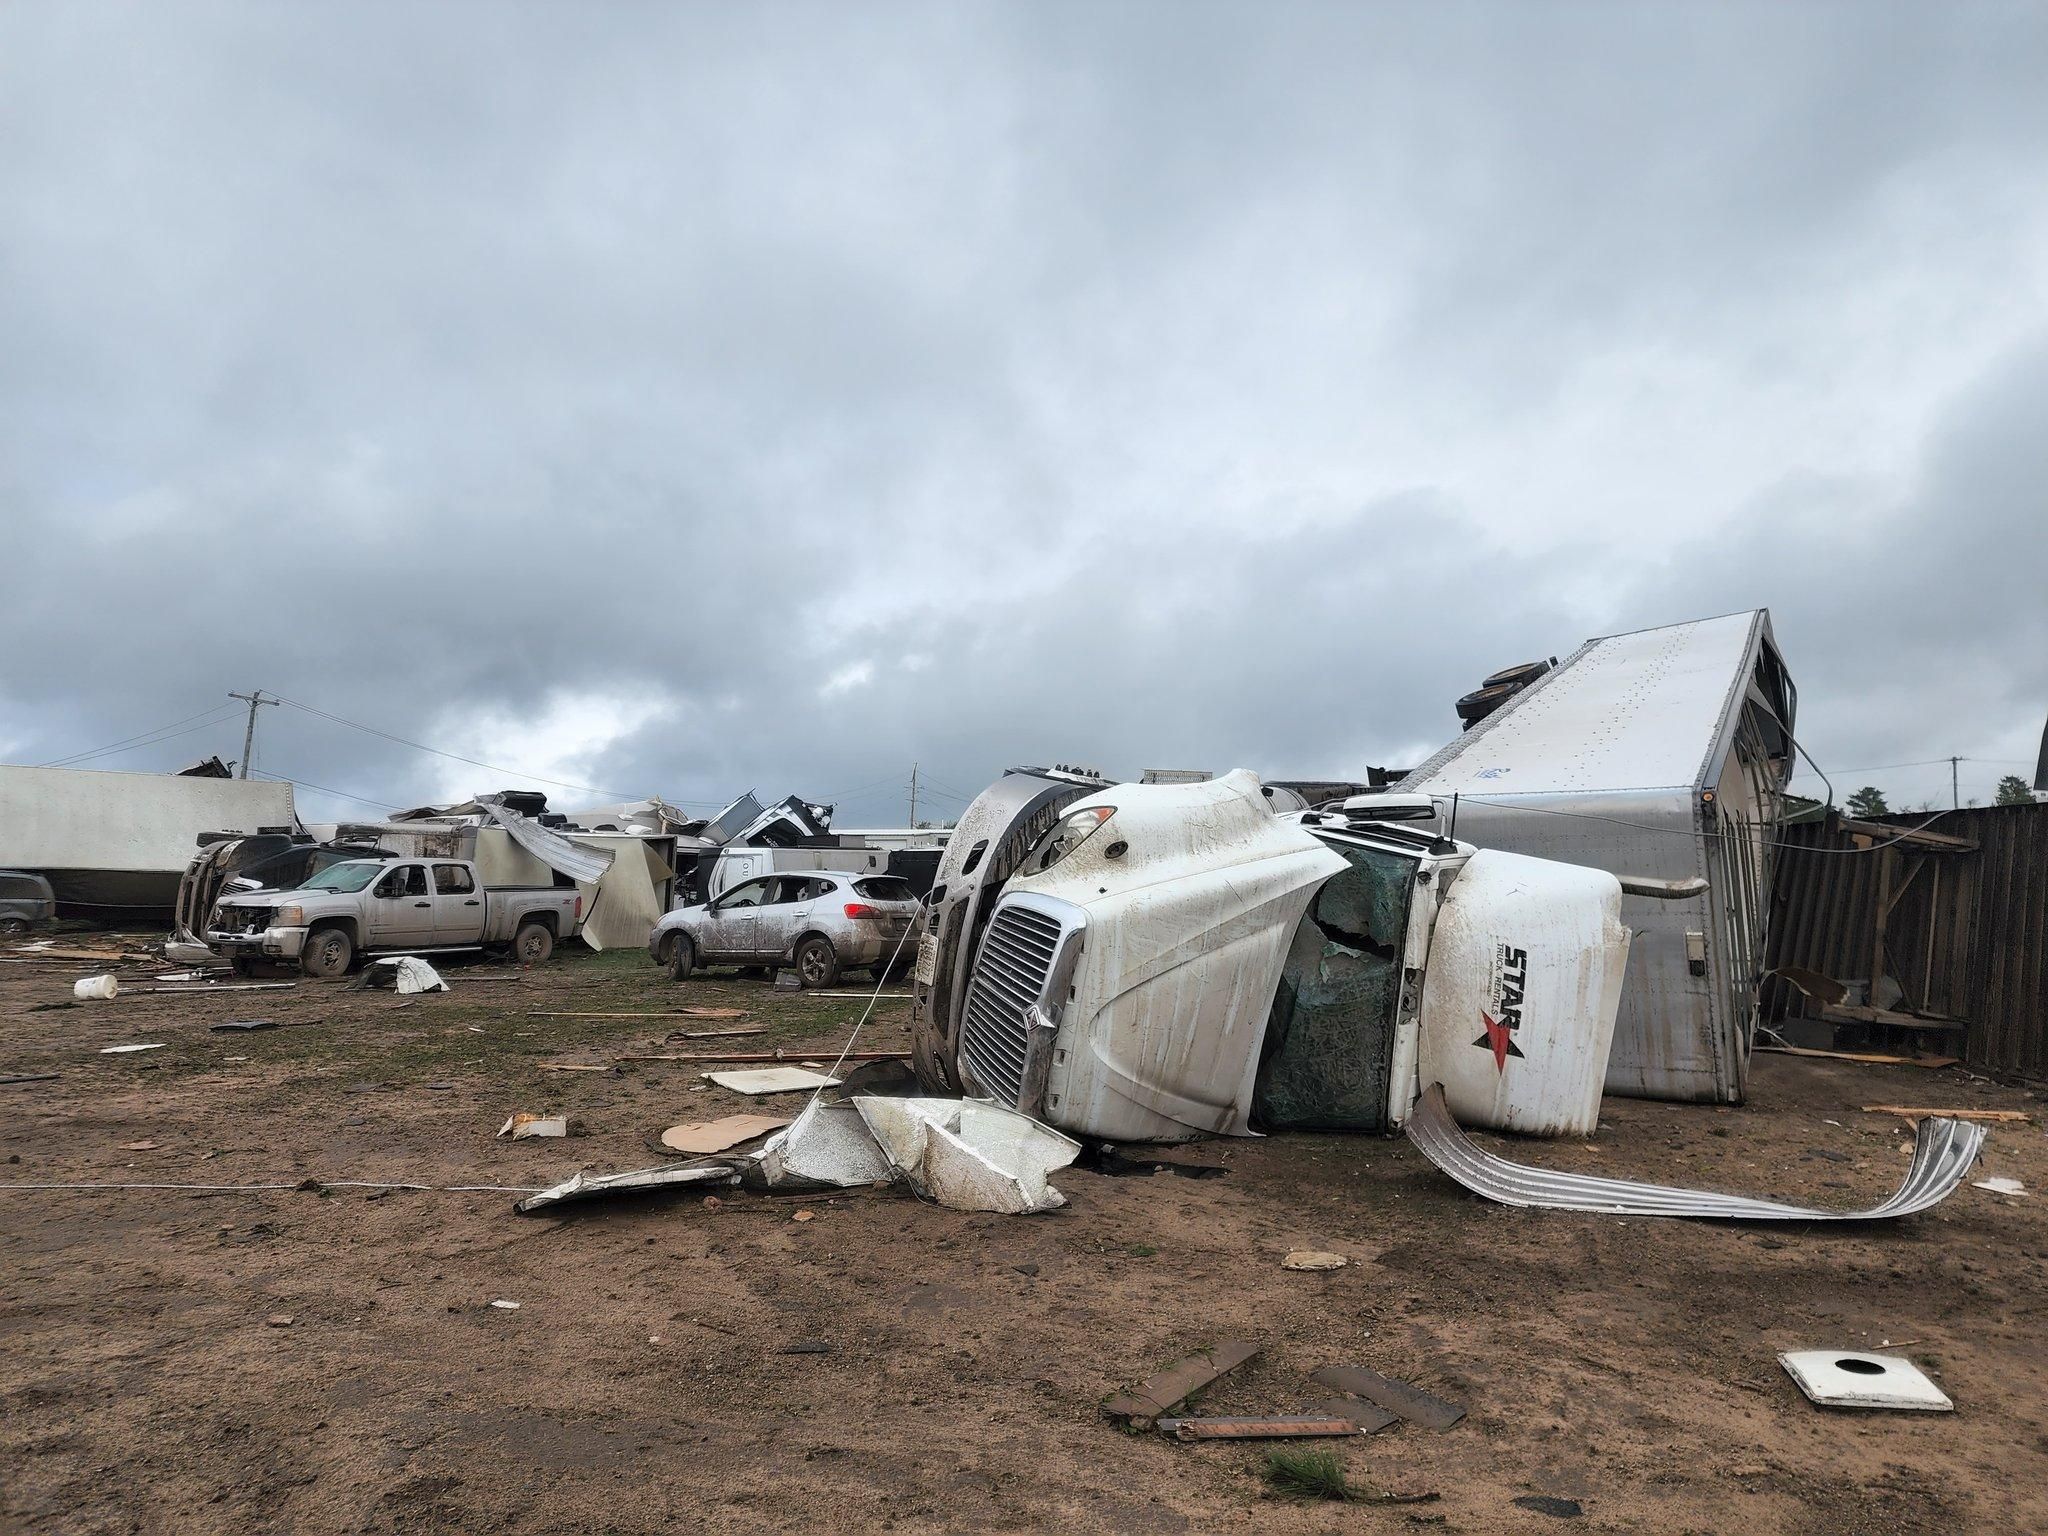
861,909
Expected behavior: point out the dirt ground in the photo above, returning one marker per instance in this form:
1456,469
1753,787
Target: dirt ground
645,1381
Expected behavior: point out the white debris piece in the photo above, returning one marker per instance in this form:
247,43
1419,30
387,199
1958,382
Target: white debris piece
1851,1379
2001,1186
122,1050
96,988
968,1154
827,1144
415,975
772,1080
524,1125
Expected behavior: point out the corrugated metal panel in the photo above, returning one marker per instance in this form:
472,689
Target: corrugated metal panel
581,864
1964,934
1943,1151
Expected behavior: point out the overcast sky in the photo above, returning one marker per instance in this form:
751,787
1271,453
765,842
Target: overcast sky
679,399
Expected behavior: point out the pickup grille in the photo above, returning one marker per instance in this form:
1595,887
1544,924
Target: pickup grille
1009,979
242,920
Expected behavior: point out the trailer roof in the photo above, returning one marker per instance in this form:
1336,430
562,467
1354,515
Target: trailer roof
1635,711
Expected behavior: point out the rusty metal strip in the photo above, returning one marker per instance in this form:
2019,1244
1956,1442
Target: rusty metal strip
1396,1397
1160,1392
1943,1151
1285,1428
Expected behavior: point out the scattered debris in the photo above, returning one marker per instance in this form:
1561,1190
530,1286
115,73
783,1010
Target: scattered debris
1397,1397
1158,1394
122,1050
1312,1258
1282,1428
764,1056
236,1025
506,1306
969,1155
408,973
525,1125
772,1080
1943,1153
96,988
1871,1057
803,1216
280,1320
1370,1418
1550,1504
573,1066
633,1181
828,1145
704,1137
28,1077
2001,1186
711,1034
1997,1116
1847,1379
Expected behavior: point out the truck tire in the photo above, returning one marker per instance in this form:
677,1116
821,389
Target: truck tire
328,954
817,962
13,927
682,957
242,967
533,943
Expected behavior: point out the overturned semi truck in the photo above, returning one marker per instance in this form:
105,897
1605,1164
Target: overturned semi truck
1161,962
1164,962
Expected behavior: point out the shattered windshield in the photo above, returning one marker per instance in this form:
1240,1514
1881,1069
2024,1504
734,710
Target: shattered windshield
1328,1054
342,877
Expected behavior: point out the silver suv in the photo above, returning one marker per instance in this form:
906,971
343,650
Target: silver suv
821,922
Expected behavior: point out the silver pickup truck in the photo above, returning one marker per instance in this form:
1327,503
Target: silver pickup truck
389,906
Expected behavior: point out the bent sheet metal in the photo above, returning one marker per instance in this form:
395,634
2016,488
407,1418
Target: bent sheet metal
1943,1151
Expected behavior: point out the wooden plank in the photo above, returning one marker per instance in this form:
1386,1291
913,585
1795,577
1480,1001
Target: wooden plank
1401,1397
2000,1116
1282,1428
1158,1393
1867,1057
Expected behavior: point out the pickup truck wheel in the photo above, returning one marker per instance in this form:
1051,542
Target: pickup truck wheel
328,954
13,927
817,963
533,944
682,958
242,967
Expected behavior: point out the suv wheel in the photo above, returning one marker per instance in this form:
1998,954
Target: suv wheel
817,963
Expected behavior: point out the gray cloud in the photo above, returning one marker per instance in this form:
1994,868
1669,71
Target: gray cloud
680,399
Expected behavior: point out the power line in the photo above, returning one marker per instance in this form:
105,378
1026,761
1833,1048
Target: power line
217,714
420,746
340,794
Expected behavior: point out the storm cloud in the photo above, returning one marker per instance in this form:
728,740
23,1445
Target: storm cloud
675,399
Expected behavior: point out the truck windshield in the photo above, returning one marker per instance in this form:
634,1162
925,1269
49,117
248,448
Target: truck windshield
343,877
1328,1054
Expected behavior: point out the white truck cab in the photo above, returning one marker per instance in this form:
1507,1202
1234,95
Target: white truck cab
1173,961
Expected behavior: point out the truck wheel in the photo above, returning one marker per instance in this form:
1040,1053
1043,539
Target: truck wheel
682,958
328,953
13,927
817,963
242,967
532,944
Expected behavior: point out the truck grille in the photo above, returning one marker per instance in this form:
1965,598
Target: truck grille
242,920
1009,979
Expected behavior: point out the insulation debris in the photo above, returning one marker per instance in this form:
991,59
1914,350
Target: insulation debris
969,1155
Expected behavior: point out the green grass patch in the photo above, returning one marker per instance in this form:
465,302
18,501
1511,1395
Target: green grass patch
1303,1474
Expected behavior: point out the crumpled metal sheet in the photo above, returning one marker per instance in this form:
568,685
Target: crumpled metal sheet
1943,1151
590,1186
970,1155
828,1146
581,864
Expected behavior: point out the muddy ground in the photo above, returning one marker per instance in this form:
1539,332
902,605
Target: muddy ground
644,1382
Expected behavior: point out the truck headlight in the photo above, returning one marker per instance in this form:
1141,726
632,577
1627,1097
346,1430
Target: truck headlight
291,917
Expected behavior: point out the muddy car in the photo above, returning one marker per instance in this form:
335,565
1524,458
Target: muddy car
822,923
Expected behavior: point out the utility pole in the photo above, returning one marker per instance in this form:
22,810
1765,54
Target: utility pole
1955,795
913,797
249,735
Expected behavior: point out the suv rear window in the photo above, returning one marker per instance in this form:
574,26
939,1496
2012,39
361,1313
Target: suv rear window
884,888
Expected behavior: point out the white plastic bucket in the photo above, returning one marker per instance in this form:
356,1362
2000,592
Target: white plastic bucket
95,987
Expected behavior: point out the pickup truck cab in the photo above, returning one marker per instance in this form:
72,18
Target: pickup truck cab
389,906
1173,961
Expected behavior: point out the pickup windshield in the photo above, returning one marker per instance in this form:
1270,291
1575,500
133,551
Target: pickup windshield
1329,1049
343,877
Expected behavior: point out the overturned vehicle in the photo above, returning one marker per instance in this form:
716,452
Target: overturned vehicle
1164,962
1171,961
